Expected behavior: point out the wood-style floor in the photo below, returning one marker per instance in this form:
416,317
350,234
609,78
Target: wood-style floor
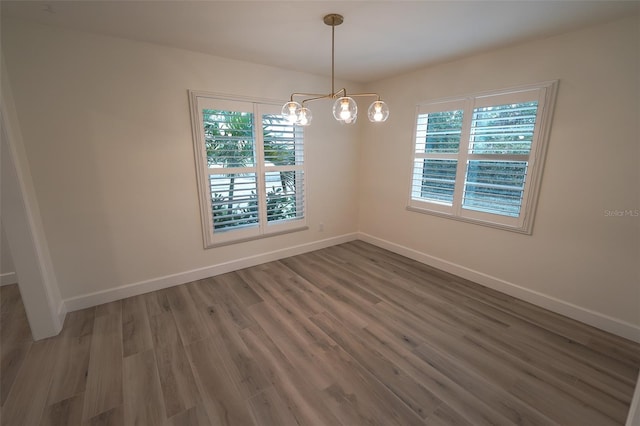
348,335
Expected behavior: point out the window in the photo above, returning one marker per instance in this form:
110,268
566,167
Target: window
480,158
250,169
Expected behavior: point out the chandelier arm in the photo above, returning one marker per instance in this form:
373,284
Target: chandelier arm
316,98
297,94
365,95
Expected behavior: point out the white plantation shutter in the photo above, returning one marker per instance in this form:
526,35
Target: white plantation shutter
493,185
284,173
479,158
250,168
437,144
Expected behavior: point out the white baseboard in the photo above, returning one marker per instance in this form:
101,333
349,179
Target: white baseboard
8,278
587,316
134,289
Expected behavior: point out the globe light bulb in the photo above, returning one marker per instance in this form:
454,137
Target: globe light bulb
304,117
291,111
345,110
378,112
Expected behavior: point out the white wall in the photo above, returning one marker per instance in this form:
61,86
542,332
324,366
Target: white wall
578,260
106,128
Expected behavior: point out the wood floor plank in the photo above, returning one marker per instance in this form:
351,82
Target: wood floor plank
455,396
289,286
309,268
220,397
347,279
111,417
194,416
164,331
446,416
296,348
243,292
157,302
296,289
292,315
189,321
67,412
179,388
114,307
217,291
27,398
15,327
15,337
294,387
316,295
357,388
268,409
103,389
582,382
572,354
237,360
70,372
143,401
493,396
398,291
12,356
10,298
509,369
136,332
405,387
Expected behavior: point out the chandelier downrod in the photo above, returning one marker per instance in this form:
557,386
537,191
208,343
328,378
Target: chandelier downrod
333,57
333,20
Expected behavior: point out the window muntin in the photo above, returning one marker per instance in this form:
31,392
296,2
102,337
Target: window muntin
479,158
250,169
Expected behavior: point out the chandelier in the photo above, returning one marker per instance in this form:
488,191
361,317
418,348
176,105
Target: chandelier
345,109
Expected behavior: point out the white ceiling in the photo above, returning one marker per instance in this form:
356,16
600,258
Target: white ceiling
378,38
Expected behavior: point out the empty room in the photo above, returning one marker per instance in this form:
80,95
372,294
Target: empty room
317,213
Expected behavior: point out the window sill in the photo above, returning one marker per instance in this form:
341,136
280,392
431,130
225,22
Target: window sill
526,229
258,237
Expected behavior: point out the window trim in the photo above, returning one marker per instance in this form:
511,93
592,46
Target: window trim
546,97
264,228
